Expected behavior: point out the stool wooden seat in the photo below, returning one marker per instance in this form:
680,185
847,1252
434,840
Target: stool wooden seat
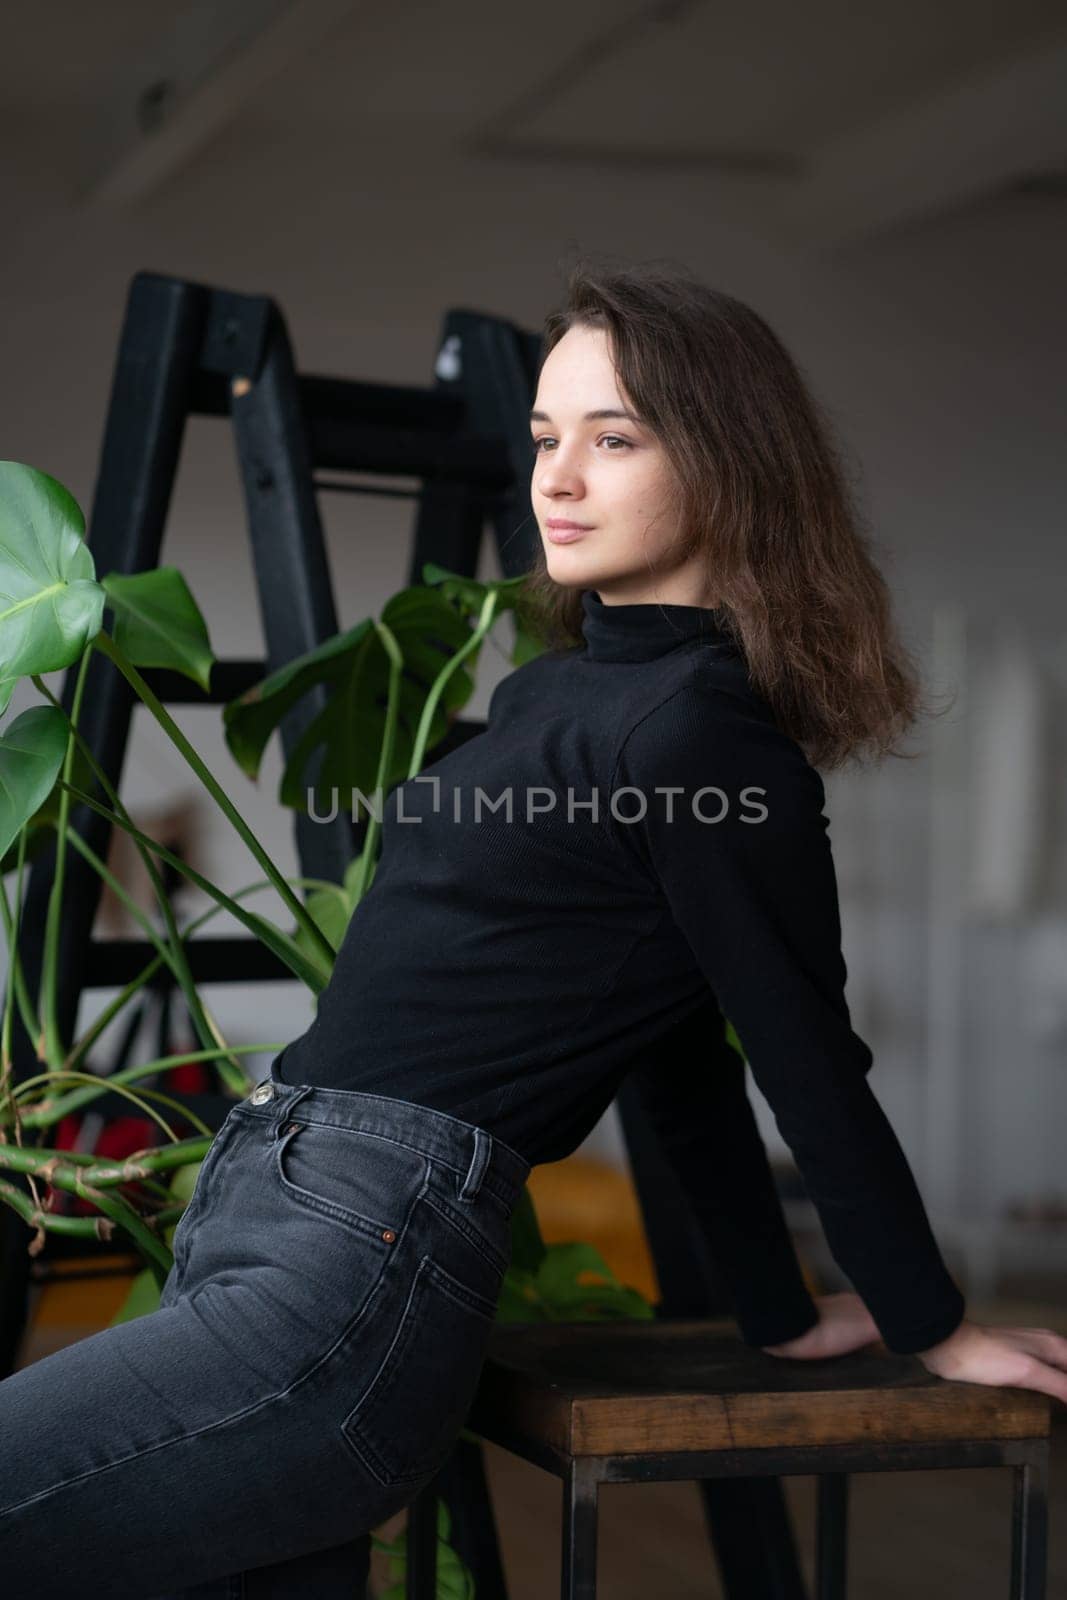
639,1401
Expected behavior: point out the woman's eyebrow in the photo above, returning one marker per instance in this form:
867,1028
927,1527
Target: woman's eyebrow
590,416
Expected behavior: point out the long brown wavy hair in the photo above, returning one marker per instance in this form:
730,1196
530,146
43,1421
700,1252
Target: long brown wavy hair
761,491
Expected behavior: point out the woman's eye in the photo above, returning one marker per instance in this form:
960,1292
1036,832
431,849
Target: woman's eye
608,438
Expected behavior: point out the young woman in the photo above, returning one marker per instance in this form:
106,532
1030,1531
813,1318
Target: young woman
632,853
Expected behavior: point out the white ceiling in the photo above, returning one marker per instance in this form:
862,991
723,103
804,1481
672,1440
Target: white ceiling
839,117
691,75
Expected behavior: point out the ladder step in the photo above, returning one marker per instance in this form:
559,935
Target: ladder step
383,427
110,963
228,680
476,462
349,400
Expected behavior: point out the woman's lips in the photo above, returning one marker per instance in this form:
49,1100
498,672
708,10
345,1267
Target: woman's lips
564,532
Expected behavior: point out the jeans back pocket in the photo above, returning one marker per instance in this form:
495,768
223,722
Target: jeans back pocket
407,1420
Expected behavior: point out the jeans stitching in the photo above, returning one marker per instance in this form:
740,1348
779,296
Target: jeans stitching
492,1256
315,1202
222,1139
504,1191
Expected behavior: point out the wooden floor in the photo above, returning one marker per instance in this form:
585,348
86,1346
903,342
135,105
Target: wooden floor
913,1535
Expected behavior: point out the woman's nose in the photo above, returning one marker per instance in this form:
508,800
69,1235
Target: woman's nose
558,474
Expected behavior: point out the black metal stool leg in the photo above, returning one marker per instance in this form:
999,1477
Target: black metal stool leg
1029,1527
831,1536
421,1573
580,1491
464,1487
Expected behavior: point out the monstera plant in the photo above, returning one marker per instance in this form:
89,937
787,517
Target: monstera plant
395,683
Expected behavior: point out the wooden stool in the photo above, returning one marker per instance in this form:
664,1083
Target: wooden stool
636,1401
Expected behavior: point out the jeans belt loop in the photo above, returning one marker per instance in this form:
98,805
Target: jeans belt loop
483,1145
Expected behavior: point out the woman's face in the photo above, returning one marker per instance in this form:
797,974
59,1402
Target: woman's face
598,466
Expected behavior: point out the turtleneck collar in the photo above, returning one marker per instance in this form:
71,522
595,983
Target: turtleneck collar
642,632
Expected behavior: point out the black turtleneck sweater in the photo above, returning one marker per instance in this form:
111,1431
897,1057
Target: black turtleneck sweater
629,853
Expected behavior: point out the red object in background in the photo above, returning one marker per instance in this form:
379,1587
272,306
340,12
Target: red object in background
121,1136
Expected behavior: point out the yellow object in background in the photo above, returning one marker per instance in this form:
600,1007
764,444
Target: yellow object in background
76,1299
84,1292
584,1200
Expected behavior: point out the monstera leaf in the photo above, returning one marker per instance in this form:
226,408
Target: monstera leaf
560,1282
430,623
349,729
469,594
50,603
39,826
331,907
572,1283
159,624
31,754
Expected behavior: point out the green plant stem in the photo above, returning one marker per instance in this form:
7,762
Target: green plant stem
117,1211
179,965
385,759
485,621
86,1158
47,1112
166,1214
27,1011
107,1015
6,1063
54,1048
176,861
122,1214
163,950
138,981
9,993
231,1071
55,1167
318,939
49,1221
139,1102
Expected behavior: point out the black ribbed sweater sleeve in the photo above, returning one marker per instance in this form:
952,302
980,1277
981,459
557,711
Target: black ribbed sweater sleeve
757,903
693,1095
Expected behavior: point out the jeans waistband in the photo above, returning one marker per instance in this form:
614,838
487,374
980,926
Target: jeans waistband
480,1158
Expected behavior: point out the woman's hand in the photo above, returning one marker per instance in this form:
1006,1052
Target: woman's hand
1018,1358
844,1324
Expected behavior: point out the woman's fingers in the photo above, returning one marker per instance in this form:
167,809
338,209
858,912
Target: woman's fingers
1043,1378
1014,1358
1015,1368
1048,1346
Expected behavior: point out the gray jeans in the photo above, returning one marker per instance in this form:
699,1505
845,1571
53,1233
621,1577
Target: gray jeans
316,1349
